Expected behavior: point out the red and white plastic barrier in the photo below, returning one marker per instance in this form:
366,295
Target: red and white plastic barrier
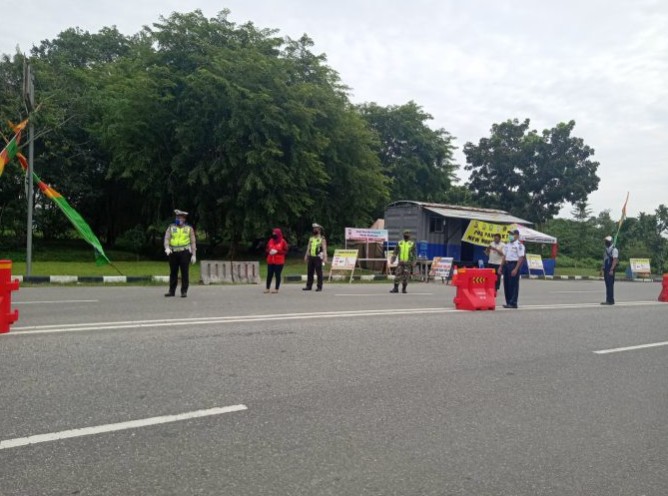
7,317
476,289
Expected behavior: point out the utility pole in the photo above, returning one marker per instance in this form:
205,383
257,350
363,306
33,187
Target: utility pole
29,98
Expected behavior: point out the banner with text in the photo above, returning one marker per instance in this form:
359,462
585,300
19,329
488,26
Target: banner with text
482,233
640,265
344,260
366,235
441,267
535,262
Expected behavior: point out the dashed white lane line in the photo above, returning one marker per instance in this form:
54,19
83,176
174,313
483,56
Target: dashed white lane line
575,292
631,348
241,319
120,426
50,302
355,295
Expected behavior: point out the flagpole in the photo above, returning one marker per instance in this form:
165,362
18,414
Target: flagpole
29,98
621,220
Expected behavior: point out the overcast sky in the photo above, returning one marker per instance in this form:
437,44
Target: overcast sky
602,63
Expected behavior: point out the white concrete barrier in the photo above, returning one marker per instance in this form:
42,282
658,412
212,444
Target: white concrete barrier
246,272
215,271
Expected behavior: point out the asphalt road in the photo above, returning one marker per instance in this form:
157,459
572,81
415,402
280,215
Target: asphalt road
351,391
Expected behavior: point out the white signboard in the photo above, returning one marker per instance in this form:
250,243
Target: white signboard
535,262
640,265
343,260
441,267
366,235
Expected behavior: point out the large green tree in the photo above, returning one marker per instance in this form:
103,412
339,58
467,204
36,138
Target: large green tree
528,173
416,159
244,128
652,231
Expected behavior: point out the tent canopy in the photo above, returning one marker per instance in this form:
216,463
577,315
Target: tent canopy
532,236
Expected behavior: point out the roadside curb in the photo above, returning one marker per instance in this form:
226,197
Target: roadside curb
66,279
90,279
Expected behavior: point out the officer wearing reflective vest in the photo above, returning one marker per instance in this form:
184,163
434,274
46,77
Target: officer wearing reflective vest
406,254
180,247
315,257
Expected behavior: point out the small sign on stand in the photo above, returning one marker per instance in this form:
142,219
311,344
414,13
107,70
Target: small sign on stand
535,262
343,261
440,267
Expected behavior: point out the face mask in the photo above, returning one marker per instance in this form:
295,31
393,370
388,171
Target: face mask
607,243
316,232
178,222
274,236
406,238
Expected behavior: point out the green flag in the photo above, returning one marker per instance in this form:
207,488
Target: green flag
75,218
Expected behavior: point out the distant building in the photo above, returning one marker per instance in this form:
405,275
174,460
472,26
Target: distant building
438,228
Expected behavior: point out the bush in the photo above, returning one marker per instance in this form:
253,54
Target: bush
132,240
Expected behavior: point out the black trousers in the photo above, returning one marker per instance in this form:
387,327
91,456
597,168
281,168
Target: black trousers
274,270
179,260
314,266
498,276
609,286
511,284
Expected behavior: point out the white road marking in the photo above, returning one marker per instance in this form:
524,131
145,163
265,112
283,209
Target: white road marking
631,348
379,294
569,292
200,321
120,426
48,302
132,324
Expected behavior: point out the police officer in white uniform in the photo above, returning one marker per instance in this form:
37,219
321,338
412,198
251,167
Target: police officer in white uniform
513,258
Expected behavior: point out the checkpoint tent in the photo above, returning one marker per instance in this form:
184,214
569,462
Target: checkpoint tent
529,235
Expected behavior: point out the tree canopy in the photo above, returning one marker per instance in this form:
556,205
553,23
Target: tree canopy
530,174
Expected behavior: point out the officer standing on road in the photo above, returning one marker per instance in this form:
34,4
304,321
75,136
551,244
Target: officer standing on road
315,257
494,253
610,259
180,247
406,253
513,258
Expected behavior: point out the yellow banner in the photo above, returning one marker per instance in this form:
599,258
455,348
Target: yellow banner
482,233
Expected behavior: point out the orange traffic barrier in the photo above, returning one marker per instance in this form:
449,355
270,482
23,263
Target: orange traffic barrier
663,296
7,317
476,290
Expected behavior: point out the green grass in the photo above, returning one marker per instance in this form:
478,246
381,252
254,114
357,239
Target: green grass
75,260
293,266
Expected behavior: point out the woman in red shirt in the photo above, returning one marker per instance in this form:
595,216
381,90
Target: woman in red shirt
277,248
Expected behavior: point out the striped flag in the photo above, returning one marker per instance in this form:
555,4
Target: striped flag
12,148
74,217
622,218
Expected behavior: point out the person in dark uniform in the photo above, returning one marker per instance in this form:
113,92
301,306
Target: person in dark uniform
180,247
513,258
610,259
315,257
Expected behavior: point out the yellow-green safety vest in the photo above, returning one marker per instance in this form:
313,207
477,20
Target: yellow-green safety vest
405,248
315,246
180,237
